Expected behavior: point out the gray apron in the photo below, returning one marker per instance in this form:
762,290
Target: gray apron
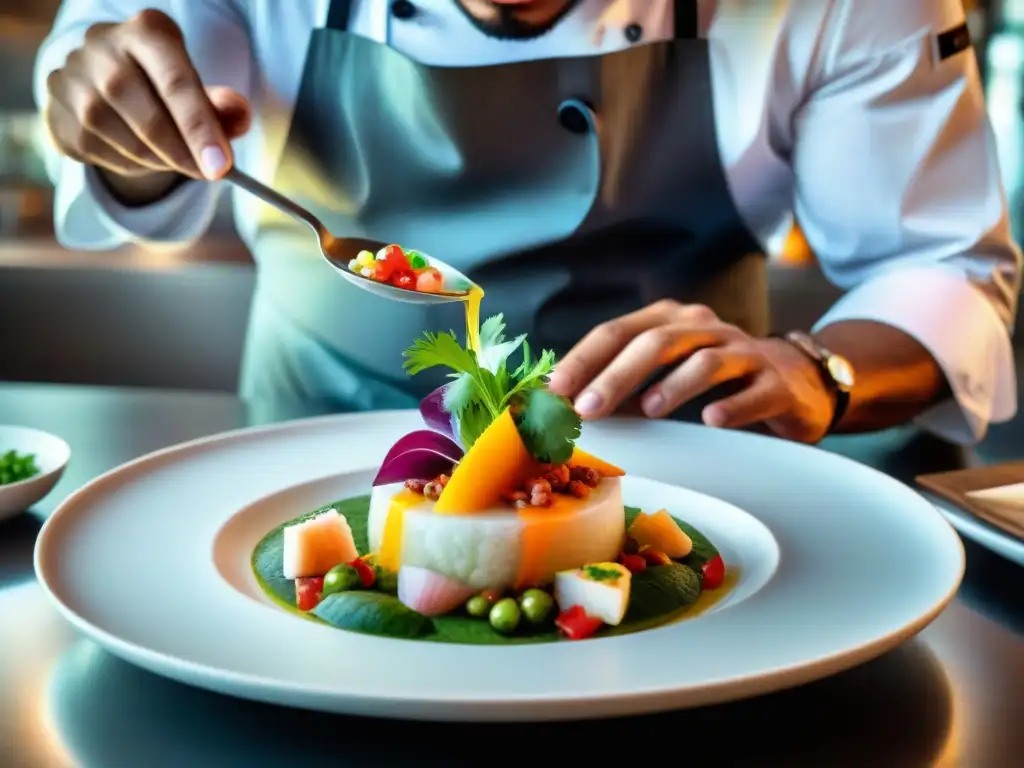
574,190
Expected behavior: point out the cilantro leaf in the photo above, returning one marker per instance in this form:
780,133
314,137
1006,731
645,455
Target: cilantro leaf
547,423
531,375
461,393
471,423
439,350
494,349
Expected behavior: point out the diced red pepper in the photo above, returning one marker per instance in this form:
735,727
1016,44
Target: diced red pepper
405,280
381,271
575,624
655,557
633,563
714,572
307,592
366,573
395,257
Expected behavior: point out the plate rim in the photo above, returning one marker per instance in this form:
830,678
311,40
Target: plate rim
635,700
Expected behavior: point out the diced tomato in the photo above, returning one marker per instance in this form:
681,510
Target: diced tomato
381,271
655,557
492,595
396,258
405,280
430,280
307,592
575,624
633,563
366,573
714,572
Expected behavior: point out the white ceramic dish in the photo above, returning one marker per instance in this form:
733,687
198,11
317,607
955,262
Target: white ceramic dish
149,560
52,455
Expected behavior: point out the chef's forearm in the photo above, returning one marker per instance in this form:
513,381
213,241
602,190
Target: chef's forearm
896,377
135,191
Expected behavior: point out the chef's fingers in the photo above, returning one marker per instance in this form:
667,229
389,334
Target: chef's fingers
603,344
87,147
643,356
86,107
156,44
767,397
703,370
233,110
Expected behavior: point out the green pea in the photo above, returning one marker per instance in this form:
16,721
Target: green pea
478,606
341,578
505,616
385,580
416,259
536,605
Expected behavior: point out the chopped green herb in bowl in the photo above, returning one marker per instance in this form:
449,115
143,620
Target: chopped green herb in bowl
15,467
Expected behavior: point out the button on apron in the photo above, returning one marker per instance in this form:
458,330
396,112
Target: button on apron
403,9
634,32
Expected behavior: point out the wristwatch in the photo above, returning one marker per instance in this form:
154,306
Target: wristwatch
835,370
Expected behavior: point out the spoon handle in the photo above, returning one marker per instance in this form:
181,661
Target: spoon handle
276,199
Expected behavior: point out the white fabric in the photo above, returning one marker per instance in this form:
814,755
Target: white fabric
838,112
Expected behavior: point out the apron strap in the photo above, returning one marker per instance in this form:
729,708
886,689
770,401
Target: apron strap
686,19
338,15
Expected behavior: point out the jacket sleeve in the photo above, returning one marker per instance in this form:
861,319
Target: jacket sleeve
899,195
86,216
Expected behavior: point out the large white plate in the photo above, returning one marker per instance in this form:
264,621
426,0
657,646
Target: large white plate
148,561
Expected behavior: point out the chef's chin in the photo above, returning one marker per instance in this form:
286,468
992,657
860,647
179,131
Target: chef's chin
515,19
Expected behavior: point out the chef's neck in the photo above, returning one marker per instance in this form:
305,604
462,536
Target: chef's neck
516,19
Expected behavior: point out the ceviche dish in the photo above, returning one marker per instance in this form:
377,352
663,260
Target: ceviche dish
490,525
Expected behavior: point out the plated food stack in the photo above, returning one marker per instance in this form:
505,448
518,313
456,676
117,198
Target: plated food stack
493,511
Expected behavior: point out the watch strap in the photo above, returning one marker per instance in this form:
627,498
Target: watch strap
841,406
820,360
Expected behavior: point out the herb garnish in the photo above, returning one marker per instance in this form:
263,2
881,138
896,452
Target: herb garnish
15,467
482,388
597,573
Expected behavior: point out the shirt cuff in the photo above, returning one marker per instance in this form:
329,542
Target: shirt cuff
961,329
87,215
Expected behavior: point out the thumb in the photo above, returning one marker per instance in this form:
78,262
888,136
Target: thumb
233,109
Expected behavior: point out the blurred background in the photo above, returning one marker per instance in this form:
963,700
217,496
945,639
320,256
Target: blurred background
116,318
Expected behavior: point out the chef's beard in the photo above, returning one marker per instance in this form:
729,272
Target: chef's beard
505,23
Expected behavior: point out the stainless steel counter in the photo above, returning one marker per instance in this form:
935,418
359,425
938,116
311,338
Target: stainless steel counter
952,697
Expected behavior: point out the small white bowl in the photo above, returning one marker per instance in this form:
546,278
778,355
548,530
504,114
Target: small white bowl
52,456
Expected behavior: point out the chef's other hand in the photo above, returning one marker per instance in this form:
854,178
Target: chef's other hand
130,102
779,385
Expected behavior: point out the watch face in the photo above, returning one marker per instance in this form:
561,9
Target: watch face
841,371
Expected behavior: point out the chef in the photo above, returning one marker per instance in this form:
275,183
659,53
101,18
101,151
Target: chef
611,171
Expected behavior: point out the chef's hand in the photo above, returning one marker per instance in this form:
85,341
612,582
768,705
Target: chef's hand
130,102
781,386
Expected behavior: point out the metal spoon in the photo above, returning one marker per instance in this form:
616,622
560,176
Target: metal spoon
339,251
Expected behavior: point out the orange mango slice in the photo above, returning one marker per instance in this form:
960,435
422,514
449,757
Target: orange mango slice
497,463
581,458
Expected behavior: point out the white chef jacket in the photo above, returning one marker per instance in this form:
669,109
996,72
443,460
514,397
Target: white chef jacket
841,113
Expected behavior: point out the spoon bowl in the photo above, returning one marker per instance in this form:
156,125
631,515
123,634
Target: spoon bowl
340,251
